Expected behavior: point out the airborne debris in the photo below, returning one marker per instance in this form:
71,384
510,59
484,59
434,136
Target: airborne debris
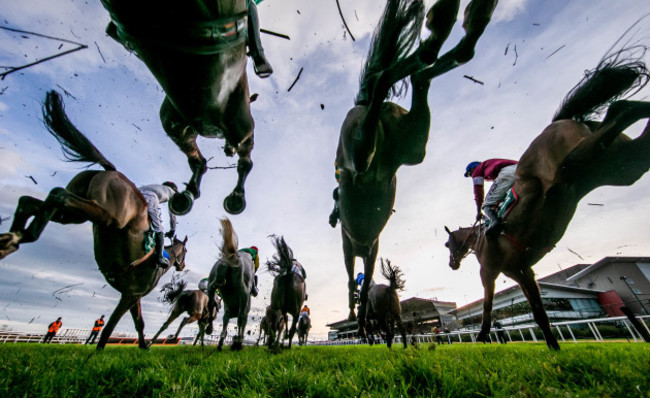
253,98
268,32
595,204
472,79
322,106
516,56
553,53
17,68
32,178
343,19
575,253
297,77
66,92
100,52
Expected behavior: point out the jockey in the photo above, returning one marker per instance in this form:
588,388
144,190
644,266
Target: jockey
502,172
203,286
256,259
154,195
260,63
304,312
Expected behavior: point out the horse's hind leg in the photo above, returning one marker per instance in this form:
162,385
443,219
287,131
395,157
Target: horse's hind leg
136,314
488,279
348,256
186,321
526,280
292,331
402,330
172,318
224,330
184,136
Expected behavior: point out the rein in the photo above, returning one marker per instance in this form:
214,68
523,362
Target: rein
194,37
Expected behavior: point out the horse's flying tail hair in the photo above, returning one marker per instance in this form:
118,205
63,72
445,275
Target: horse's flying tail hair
230,241
76,147
394,38
172,290
620,74
393,274
282,261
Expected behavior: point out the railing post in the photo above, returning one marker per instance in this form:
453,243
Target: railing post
559,330
571,333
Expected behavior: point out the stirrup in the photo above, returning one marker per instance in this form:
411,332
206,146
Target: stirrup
262,68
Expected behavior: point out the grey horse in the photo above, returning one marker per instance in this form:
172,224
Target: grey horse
233,275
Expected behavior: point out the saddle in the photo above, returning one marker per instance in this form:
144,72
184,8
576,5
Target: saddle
505,206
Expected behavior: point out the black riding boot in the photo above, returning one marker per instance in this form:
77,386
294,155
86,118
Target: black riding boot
494,226
254,290
334,217
160,250
261,64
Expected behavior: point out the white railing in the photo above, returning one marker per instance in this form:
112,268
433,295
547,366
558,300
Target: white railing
522,330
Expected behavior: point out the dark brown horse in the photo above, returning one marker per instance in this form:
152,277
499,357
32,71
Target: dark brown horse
289,289
194,302
304,325
115,207
384,307
571,157
197,52
233,276
272,325
378,137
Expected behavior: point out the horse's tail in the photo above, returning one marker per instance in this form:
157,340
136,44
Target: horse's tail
393,274
230,241
172,291
76,147
397,33
619,74
282,261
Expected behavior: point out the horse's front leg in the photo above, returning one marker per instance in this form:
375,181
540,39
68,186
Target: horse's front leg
531,290
348,256
184,136
125,303
488,279
235,203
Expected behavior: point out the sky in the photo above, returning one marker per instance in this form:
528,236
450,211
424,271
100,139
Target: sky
529,57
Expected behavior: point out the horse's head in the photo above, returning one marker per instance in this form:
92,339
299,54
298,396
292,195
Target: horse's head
178,252
458,246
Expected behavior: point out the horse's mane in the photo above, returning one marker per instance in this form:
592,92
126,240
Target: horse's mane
282,261
397,33
230,241
171,290
620,73
76,147
393,274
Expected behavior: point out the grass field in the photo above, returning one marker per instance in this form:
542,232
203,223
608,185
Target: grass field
527,370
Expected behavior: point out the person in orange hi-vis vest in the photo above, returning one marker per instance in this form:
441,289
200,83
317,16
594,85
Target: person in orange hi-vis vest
99,324
52,329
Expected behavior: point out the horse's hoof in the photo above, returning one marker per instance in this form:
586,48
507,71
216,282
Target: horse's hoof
234,203
181,203
219,348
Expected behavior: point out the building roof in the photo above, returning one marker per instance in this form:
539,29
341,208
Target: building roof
562,276
606,261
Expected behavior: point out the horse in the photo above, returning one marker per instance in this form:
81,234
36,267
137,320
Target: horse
377,137
289,289
194,302
272,325
115,207
304,324
233,275
570,158
197,53
384,307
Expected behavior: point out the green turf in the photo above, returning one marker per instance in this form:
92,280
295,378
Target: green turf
528,370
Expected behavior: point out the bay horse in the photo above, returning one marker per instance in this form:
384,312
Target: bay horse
377,137
233,275
384,307
289,289
572,156
194,302
197,52
304,325
115,207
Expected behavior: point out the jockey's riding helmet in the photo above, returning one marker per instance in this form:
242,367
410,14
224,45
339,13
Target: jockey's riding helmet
470,168
171,185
